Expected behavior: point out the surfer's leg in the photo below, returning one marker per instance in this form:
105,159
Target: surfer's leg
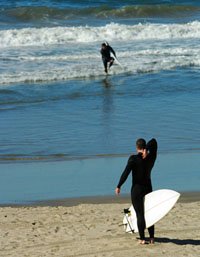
138,204
111,61
105,63
151,231
139,209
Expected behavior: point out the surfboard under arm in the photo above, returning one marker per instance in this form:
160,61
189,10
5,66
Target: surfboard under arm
157,205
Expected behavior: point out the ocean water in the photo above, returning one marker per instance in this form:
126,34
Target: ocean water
56,103
30,182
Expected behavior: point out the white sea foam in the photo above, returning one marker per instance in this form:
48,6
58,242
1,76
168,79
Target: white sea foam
48,54
86,34
52,68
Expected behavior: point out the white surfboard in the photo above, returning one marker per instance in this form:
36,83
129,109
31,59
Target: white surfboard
157,204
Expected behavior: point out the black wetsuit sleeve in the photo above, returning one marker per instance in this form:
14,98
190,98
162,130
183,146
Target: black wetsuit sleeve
152,146
126,172
111,49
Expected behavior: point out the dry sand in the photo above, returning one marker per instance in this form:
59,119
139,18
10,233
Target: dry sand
94,230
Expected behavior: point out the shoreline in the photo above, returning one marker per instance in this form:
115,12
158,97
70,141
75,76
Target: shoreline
40,182
186,197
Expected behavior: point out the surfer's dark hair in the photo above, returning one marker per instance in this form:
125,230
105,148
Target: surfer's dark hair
141,144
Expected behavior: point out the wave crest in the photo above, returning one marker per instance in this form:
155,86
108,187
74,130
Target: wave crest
38,13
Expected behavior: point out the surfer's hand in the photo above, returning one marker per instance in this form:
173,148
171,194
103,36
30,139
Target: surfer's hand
144,154
117,191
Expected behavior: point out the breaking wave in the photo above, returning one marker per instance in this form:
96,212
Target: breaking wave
84,34
30,13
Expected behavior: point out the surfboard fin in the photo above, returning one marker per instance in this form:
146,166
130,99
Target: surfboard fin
127,211
128,226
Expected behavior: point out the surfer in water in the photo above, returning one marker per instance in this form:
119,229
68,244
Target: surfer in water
106,50
141,165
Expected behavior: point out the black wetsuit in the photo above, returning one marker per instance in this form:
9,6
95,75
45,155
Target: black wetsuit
150,160
151,147
105,52
141,183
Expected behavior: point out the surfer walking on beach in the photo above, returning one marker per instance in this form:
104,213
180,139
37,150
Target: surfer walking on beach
141,165
106,51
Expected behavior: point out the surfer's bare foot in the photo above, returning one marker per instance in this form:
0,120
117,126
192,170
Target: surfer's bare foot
151,241
142,242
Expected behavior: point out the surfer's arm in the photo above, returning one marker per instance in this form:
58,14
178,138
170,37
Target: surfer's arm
111,49
125,173
152,146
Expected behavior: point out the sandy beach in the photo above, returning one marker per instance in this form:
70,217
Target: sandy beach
95,229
